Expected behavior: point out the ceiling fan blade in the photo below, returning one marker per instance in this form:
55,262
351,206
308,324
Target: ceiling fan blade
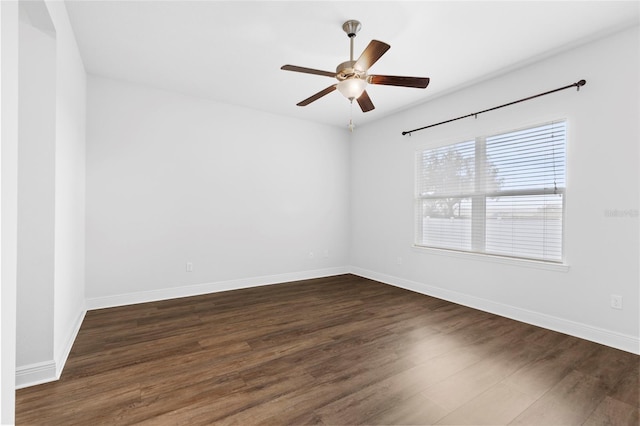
371,54
394,80
307,70
365,102
317,95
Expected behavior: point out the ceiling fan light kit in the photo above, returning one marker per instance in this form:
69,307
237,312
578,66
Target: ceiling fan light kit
352,88
352,75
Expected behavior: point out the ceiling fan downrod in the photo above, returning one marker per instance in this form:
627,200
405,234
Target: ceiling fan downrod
351,27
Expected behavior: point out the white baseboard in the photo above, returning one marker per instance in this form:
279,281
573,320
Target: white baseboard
606,337
50,370
205,288
35,374
61,357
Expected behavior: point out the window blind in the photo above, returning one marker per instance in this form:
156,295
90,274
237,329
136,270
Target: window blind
501,194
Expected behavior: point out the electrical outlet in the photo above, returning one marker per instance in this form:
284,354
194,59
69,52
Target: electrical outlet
399,261
189,267
616,301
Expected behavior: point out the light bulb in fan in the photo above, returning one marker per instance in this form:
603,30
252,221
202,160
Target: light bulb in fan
352,88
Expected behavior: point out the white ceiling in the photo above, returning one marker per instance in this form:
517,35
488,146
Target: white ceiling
232,51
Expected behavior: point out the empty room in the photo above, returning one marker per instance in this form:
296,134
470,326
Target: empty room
320,212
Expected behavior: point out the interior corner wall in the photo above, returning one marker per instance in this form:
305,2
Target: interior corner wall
70,153
602,176
51,192
245,197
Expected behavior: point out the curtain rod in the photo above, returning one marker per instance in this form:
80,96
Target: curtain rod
475,114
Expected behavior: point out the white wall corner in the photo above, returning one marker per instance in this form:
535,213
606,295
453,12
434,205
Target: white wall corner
51,370
63,354
605,337
9,77
206,288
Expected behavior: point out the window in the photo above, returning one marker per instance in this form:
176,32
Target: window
500,194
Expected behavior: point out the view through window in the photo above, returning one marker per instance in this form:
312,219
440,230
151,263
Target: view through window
501,194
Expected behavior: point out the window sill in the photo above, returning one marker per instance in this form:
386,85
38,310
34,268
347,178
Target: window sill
527,263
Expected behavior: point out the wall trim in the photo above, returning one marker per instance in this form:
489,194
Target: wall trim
605,337
50,370
206,288
35,374
63,354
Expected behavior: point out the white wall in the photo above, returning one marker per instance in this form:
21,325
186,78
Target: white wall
69,274
9,70
51,199
36,180
245,196
602,252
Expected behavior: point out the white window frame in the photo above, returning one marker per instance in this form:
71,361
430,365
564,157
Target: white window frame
478,246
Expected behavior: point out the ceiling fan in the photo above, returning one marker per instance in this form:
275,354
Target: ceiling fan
352,75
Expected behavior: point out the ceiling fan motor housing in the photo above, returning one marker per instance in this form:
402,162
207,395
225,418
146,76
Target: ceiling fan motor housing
347,70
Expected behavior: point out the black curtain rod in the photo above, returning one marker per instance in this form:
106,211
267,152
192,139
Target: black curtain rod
475,114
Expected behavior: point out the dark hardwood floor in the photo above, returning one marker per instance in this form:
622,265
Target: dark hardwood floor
339,350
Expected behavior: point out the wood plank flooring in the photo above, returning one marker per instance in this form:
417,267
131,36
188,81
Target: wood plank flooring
331,351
